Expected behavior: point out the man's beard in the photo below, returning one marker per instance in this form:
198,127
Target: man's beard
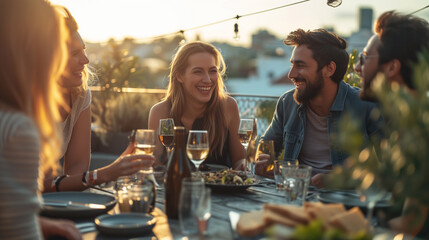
310,91
366,92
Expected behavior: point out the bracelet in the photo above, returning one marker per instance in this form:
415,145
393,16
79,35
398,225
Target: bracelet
53,188
57,182
93,177
85,178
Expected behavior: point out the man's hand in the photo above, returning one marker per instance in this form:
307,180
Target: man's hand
317,180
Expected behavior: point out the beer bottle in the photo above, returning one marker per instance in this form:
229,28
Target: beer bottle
178,168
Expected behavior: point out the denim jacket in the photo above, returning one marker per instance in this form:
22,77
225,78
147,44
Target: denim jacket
287,126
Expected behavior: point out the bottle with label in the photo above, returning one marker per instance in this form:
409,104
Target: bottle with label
178,168
146,178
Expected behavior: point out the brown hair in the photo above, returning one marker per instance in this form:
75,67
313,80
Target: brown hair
326,46
214,118
401,37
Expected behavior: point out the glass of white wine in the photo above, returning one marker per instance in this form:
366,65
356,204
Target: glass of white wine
245,131
166,134
145,141
197,147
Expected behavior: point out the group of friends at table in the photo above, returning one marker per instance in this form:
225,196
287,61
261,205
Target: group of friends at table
45,106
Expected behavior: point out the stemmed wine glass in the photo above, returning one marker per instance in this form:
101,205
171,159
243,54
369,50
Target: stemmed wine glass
145,141
197,147
166,134
245,131
372,191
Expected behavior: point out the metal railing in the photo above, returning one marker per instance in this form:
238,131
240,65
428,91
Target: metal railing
249,106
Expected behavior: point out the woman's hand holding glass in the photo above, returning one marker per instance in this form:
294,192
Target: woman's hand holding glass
197,147
145,141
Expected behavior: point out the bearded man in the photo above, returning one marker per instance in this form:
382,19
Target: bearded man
307,117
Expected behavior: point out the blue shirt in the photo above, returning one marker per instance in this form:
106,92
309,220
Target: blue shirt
287,126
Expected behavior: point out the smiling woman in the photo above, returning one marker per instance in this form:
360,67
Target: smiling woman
196,99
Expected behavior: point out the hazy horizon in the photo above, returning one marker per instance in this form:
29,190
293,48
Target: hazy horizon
100,20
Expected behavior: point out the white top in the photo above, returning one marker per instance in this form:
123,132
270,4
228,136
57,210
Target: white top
19,169
79,104
315,150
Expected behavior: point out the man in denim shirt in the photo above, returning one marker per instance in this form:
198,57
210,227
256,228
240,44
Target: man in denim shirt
307,117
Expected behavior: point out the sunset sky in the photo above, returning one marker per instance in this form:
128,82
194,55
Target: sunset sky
100,20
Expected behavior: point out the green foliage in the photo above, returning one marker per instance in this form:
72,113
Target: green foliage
351,77
315,231
113,110
265,109
400,161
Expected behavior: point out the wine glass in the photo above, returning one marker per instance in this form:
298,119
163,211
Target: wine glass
166,134
145,141
251,157
204,210
197,147
245,131
372,192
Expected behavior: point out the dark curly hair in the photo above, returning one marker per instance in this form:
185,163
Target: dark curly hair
326,47
401,37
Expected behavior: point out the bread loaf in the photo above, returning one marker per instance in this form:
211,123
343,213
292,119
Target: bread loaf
295,213
251,223
351,221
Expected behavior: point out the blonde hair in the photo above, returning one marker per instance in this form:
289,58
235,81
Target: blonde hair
33,55
73,27
214,118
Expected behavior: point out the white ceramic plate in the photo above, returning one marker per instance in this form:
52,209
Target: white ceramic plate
125,224
73,212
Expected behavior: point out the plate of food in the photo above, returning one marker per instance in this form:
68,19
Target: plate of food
229,180
76,204
125,224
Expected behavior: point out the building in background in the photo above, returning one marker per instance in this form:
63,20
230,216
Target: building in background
358,39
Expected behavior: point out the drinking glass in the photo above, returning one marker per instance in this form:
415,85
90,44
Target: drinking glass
265,151
197,147
245,130
166,134
296,182
145,141
194,206
278,177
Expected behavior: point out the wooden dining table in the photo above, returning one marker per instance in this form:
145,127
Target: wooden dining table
224,203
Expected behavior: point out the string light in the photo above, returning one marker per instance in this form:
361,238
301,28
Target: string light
236,32
334,3
182,32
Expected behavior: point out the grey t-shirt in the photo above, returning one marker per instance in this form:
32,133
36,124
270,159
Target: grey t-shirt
315,148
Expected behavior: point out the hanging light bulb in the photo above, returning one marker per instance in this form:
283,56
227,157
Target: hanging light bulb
334,3
183,37
236,33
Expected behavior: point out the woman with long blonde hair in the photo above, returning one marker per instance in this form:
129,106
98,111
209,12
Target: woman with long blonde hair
75,118
32,56
196,98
